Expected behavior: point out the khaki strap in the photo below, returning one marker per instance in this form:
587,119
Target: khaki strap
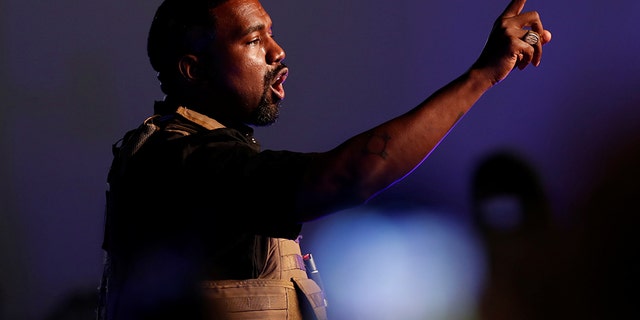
254,298
199,118
314,296
288,247
291,262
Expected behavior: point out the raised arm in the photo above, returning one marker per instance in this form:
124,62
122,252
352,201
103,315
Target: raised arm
370,162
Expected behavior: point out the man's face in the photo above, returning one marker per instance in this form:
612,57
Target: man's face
246,69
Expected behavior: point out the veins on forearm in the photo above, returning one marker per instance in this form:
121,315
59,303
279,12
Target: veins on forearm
377,145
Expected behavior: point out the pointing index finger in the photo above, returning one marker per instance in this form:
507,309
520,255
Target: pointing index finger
514,8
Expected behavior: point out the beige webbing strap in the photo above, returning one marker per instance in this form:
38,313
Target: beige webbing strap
254,298
200,119
289,247
293,265
314,296
291,262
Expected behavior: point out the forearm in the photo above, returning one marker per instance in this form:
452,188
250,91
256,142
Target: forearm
371,161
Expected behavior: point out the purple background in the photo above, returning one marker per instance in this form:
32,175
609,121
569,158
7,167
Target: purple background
74,76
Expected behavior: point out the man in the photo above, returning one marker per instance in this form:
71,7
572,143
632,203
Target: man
201,223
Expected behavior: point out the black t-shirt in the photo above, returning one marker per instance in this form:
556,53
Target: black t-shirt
210,197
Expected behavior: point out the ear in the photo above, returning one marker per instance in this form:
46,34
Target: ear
190,68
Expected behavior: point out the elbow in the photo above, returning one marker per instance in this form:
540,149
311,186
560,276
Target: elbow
328,197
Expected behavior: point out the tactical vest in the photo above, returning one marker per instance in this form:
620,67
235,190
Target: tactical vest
284,292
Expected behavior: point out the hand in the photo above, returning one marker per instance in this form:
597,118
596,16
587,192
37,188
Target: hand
505,48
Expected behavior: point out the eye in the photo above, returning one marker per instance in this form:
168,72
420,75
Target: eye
254,41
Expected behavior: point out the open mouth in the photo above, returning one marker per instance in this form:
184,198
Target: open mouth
277,87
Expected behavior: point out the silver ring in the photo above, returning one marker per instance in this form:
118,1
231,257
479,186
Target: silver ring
531,37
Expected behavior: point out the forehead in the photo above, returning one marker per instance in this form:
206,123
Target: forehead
235,18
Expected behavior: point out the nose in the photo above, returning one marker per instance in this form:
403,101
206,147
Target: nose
275,53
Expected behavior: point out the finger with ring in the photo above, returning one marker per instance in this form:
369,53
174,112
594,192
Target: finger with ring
531,37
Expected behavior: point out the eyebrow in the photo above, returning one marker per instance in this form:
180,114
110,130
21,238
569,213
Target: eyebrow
253,28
